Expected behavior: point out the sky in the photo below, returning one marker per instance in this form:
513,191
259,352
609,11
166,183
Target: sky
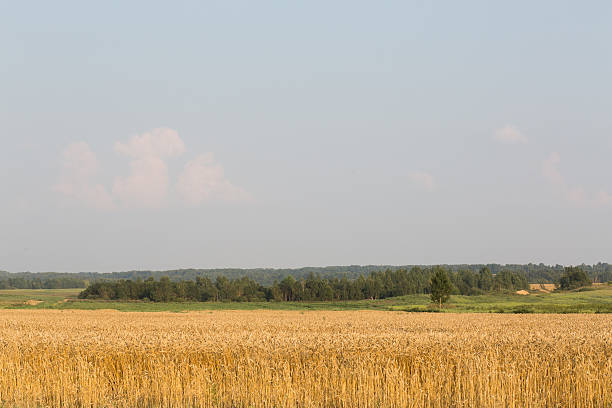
161,135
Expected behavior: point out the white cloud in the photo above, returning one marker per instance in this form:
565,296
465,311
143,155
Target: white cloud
148,183
550,169
575,195
603,198
422,180
160,142
202,180
510,135
79,168
146,186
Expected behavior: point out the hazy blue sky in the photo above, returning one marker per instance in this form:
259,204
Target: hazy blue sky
146,135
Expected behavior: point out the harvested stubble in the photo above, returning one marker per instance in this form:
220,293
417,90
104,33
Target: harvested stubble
311,359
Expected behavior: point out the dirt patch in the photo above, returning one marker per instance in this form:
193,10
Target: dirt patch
32,302
522,292
542,287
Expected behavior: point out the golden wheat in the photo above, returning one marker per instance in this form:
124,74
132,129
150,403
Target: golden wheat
303,359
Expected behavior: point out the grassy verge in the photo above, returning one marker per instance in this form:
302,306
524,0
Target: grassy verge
590,301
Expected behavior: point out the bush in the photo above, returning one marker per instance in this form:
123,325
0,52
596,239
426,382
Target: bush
574,278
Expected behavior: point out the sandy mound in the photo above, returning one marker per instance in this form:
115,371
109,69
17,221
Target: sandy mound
32,302
522,292
542,287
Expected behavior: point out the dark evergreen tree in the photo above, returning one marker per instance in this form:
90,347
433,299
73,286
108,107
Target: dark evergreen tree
440,286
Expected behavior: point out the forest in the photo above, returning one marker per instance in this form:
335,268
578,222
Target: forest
376,285
534,273
20,282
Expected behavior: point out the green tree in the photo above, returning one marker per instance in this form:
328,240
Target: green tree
574,278
288,288
440,286
485,279
163,290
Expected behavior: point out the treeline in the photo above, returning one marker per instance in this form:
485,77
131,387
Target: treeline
376,285
37,283
534,273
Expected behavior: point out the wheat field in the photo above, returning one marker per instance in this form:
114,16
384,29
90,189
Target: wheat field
303,359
